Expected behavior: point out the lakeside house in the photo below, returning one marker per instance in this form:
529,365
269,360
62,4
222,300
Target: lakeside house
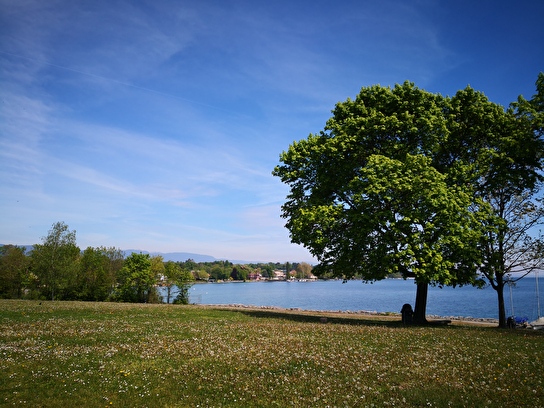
277,275
255,276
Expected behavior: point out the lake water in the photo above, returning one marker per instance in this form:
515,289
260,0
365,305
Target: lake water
383,296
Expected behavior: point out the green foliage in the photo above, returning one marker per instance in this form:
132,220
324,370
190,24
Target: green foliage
54,262
157,266
14,271
365,198
303,270
218,271
239,272
503,152
533,110
182,297
201,275
57,268
98,268
177,281
405,181
136,280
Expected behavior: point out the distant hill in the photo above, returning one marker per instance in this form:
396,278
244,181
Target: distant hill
167,256
183,256
174,256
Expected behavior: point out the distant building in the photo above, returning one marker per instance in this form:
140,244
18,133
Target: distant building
278,275
255,276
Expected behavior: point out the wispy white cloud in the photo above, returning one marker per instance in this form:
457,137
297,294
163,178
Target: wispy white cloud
150,157
156,124
23,119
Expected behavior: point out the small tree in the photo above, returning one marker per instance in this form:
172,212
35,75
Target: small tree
183,294
55,262
303,270
98,268
201,275
502,151
172,271
92,281
218,271
511,248
14,270
115,260
178,282
239,272
136,280
157,267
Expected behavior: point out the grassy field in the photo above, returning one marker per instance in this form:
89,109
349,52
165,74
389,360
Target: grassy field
76,354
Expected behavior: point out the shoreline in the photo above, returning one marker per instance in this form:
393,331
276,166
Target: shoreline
455,320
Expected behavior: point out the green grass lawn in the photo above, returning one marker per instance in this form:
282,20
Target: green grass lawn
77,354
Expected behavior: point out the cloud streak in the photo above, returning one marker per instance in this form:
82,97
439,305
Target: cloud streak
156,124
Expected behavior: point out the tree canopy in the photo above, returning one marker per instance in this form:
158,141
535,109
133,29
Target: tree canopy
403,180
136,280
53,261
14,266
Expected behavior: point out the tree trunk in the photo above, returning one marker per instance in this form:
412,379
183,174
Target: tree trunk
421,303
500,296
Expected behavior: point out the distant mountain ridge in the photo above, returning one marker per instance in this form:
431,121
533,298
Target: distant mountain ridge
167,256
174,256
184,256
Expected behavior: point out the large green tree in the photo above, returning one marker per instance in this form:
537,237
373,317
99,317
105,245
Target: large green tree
366,200
359,214
54,262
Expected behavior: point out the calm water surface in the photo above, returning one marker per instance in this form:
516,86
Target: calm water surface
384,296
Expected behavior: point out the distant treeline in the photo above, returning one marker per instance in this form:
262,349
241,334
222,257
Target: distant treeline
57,269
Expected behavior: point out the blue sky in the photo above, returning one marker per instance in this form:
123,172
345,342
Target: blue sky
155,125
